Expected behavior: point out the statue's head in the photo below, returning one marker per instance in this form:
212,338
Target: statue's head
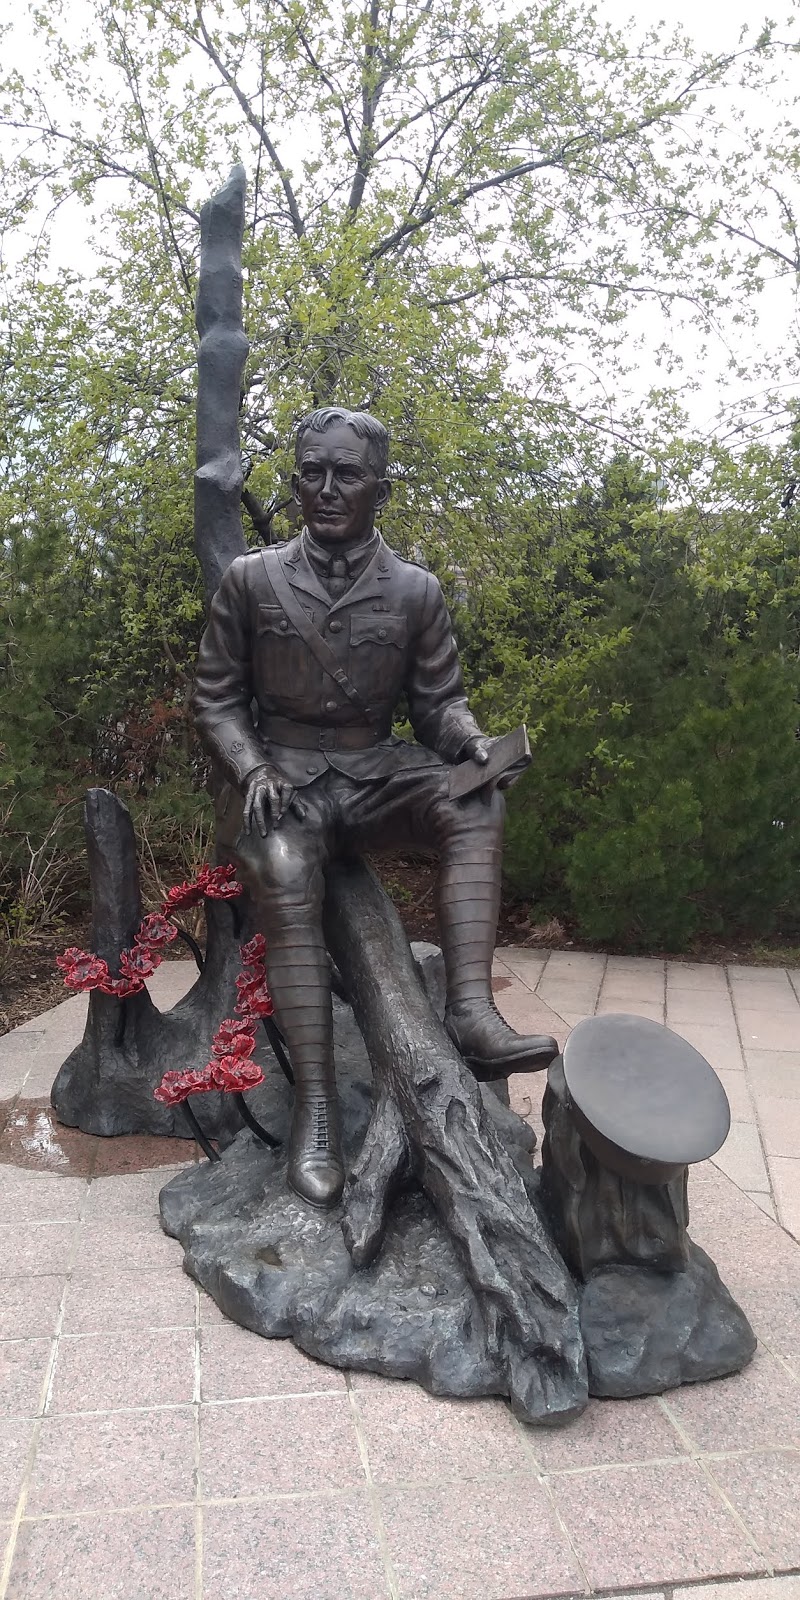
340,479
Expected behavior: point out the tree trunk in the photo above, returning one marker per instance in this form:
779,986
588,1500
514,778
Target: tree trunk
429,1120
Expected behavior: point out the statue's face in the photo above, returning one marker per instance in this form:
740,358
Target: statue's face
337,487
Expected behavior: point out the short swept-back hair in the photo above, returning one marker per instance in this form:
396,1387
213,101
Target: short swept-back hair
363,424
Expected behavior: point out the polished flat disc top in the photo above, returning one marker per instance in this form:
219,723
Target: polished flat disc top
646,1089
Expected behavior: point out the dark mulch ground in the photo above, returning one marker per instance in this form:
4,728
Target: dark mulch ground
30,982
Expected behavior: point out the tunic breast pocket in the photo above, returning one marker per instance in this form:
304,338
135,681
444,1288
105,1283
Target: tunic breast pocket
377,655
282,659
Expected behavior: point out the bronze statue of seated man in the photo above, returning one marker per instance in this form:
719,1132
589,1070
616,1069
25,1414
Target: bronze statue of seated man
325,634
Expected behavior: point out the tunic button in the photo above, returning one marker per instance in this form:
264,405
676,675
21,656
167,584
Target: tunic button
312,771
284,626
335,626
381,633
330,705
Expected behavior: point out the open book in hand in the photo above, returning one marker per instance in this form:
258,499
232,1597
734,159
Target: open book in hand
509,755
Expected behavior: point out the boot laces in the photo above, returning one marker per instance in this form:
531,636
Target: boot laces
321,1129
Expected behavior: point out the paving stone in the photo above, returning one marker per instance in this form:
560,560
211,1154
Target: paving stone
320,1548
609,1432
280,1446
769,1030
39,1197
16,1434
752,995
711,1008
126,1243
719,1045
413,1437
774,1072
525,964
627,984
579,998
742,1157
24,1365
779,1121
113,1371
651,1524
487,1541
106,1302
764,975
583,966
37,1249
759,1406
740,1100
143,1555
236,1365
632,1007
785,1174
116,1459
29,1307
132,1193
528,1013
764,1487
774,1311
787,1588
697,975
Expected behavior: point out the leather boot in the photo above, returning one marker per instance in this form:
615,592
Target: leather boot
489,1045
299,979
469,905
316,1169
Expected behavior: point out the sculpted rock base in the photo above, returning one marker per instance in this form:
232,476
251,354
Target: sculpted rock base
650,1331
654,1311
282,1270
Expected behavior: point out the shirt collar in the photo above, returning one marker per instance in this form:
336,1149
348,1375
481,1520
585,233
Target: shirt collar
357,557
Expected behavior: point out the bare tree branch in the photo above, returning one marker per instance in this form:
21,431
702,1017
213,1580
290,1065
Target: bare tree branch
256,123
111,168
132,79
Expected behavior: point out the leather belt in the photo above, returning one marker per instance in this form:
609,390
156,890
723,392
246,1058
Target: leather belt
308,736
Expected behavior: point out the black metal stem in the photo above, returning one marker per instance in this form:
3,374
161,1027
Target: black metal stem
193,946
254,1125
278,1043
237,918
197,1132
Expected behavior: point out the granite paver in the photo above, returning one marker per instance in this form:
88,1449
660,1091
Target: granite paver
151,1450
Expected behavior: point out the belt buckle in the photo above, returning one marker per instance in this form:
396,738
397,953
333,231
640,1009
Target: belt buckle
328,738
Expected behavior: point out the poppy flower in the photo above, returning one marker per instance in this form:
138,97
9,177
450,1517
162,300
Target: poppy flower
229,1029
121,988
155,930
254,1000
139,962
236,1040
177,1086
234,1074
181,897
254,950
219,883
81,969
255,972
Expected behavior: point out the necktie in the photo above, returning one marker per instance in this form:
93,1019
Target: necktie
337,577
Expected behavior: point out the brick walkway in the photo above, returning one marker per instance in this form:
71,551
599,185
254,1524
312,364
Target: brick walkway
151,1451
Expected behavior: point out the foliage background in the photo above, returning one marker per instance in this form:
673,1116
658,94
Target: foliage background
455,212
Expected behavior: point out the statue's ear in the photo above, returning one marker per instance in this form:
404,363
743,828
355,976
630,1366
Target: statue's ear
383,493
296,488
